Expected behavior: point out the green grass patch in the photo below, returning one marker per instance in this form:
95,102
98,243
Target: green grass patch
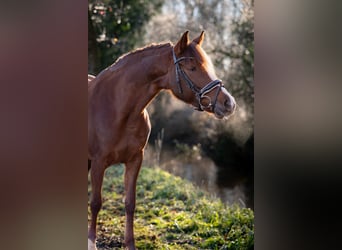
171,214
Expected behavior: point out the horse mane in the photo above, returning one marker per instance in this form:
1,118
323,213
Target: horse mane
142,50
120,62
128,57
200,55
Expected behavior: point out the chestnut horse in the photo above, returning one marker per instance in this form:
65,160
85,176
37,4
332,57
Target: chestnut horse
118,123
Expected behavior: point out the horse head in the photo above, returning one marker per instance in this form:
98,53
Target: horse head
194,80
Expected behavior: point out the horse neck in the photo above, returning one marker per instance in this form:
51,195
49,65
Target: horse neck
144,80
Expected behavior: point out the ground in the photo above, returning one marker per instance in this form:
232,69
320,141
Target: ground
171,214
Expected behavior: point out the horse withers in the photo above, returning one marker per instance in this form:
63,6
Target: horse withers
118,123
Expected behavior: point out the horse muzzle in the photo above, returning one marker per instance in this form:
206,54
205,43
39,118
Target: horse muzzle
225,108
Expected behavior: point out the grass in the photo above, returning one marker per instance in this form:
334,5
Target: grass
171,214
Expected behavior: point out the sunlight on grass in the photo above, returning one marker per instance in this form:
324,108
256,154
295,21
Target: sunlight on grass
171,214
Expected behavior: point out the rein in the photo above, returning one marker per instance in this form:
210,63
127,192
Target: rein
200,93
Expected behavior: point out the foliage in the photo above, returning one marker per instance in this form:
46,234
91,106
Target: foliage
229,41
229,26
172,214
115,27
241,53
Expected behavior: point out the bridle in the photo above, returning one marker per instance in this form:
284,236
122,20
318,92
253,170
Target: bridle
200,93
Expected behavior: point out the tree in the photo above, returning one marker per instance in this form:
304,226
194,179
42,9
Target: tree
241,54
115,27
229,41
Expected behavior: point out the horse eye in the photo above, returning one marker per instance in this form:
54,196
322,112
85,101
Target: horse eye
193,69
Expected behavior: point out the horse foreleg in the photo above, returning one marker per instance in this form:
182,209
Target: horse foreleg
97,172
131,174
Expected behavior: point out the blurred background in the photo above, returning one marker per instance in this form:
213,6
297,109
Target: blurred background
216,155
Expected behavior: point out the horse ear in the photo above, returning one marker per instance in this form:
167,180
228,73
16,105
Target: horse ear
199,40
183,43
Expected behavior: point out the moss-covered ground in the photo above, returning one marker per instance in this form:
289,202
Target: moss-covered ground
171,214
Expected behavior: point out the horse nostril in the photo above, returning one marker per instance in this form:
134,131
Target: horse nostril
230,104
227,103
